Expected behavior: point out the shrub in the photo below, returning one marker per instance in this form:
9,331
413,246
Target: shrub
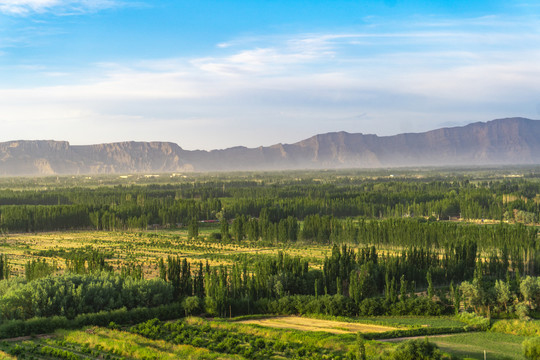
114,326
370,307
474,321
416,350
522,311
517,327
531,348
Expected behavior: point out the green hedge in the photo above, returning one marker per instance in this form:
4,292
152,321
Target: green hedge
425,331
16,328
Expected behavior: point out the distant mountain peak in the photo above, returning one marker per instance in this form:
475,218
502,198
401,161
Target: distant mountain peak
501,141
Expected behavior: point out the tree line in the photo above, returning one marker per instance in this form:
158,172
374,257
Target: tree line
137,207
351,282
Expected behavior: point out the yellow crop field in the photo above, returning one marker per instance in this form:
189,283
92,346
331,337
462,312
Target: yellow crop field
309,324
144,248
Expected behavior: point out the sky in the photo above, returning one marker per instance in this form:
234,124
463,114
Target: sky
216,74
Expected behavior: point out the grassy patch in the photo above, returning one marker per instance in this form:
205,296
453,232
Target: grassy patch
472,345
414,321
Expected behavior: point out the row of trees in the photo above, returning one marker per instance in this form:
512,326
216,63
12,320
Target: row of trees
360,277
508,247
136,207
516,245
366,281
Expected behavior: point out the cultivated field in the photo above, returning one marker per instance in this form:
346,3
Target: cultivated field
308,324
102,343
145,248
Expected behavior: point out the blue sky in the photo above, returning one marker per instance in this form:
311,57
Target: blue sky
215,74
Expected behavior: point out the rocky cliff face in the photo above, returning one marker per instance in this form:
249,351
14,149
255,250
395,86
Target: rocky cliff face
54,157
503,141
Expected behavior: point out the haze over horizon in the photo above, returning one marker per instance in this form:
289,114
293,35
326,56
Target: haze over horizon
211,74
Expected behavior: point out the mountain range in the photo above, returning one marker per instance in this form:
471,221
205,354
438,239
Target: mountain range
497,142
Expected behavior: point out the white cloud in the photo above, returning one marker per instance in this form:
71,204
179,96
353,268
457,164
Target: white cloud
255,61
285,89
271,60
59,7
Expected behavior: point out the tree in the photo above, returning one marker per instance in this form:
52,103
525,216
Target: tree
430,291
362,283
457,300
224,229
4,267
38,268
238,227
470,295
191,304
403,288
162,270
530,290
502,290
193,229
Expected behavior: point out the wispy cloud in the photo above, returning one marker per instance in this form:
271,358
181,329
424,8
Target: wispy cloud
285,88
268,61
58,7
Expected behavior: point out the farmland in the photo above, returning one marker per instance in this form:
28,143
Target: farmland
141,247
307,324
234,339
270,265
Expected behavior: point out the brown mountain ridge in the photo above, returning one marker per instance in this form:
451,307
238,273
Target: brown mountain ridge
497,142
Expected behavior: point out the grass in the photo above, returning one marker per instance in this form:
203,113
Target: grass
398,321
307,324
472,345
417,321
